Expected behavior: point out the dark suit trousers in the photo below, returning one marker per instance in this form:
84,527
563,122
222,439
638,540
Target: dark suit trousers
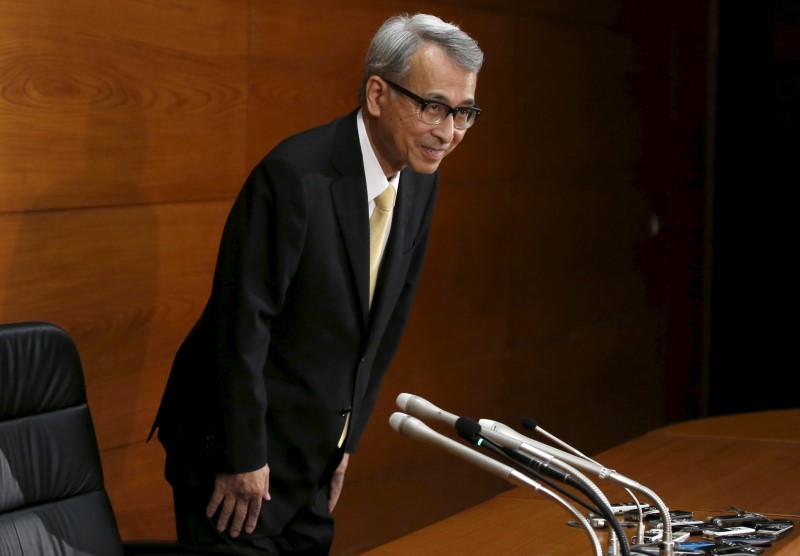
308,533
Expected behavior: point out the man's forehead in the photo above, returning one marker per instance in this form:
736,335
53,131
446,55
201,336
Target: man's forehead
446,88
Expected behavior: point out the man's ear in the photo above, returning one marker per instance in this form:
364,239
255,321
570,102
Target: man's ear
377,92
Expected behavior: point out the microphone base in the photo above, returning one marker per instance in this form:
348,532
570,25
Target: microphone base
666,548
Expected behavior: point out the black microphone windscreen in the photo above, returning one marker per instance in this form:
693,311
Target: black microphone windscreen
530,423
468,429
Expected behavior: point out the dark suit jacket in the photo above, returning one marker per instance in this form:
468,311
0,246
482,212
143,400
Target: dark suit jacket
287,340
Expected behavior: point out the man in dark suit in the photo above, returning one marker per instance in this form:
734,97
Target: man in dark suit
272,388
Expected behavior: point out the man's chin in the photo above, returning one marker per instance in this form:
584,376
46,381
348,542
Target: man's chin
427,167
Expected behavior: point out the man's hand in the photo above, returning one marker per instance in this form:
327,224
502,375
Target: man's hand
337,481
239,496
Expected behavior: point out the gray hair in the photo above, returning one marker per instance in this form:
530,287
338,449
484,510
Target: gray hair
389,54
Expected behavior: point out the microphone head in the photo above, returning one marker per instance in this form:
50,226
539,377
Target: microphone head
468,429
421,408
397,420
402,401
530,423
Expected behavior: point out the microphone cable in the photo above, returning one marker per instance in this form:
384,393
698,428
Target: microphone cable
532,425
469,430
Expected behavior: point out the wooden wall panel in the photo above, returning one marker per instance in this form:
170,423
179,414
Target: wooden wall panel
122,283
121,102
306,60
140,496
587,329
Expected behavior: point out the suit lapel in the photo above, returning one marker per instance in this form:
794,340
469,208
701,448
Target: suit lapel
349,198
349,194
350,202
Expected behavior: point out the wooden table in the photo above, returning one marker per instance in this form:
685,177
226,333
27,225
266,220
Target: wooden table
751,461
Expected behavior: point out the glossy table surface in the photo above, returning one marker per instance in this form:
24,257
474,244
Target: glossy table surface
750,461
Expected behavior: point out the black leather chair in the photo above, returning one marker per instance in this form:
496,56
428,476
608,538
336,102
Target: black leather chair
53,500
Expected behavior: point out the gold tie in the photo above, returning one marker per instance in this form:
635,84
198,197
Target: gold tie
384,203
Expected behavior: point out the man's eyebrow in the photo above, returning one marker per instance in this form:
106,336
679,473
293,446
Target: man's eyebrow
441,98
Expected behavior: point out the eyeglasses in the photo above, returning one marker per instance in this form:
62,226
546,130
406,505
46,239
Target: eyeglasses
434,112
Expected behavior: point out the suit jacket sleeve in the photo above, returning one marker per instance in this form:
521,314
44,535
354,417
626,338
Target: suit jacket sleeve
259,251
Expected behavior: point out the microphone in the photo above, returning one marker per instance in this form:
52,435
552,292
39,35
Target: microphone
414,428
423,409
408,425
506,436
533,425
470,431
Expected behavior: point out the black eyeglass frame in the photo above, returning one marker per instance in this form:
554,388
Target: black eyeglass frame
423,102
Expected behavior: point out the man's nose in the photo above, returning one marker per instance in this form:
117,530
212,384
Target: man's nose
446,128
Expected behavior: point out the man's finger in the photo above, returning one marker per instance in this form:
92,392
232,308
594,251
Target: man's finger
252,515
333,499
239,514
225,514
213,504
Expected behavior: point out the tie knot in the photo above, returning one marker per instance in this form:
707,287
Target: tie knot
385,201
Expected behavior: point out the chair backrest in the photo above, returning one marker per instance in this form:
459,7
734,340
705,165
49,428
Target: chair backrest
52,497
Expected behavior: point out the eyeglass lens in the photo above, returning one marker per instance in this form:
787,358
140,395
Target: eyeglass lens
436,113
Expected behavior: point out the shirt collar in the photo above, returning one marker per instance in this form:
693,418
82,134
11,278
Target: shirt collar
376,179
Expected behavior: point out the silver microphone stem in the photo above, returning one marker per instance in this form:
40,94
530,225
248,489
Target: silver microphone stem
413,427
614,547
663,550
519,441
587,527
553,438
